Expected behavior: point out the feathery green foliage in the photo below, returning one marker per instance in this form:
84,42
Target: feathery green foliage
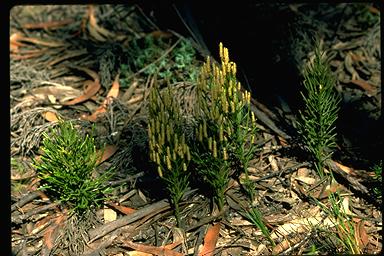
66,168
225,132
168,148
317,120
226,126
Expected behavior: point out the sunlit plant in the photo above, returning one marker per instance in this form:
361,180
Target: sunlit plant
66,167
226,126
167,144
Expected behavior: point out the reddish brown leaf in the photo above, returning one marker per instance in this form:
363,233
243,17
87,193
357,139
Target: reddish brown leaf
123,209
42,195
344,168
26,56
210,240
66,56
109,150
374,10
361,234
151,249
14,42
50,234
160,34
285,244
113,93
42,224
91,89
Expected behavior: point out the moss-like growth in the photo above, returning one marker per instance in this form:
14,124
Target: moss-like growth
317,121
66,168
168,148
226,126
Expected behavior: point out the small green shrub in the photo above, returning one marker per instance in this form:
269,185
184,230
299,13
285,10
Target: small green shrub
66,168
317,121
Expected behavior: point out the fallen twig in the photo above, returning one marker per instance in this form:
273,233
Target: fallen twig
20,217
128,219
24,200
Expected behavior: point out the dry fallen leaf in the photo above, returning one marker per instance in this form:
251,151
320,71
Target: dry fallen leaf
285,244
123,209
50,116
306,180
369,88
136,253
92,87
51,233
210,240
109,150
38,95
14,42
113,93
361,234
99,33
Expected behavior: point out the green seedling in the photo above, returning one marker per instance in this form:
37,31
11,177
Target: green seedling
254,216
317,121
66,168
343,224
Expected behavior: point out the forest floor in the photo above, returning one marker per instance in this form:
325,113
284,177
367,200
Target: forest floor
95,66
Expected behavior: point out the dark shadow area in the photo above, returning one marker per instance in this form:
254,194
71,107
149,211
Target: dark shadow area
260,38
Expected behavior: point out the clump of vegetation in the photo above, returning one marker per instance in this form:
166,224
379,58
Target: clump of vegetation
225,125
168,148
66,168
225,132
150,55
317,121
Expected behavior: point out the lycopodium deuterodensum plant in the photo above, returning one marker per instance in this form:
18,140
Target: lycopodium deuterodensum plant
66,168
225,125
167,144
317,121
